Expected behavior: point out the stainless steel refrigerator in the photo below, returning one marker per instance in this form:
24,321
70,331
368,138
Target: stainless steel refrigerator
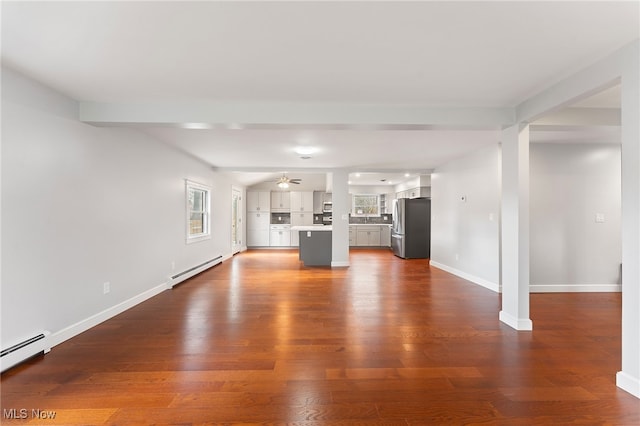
411,231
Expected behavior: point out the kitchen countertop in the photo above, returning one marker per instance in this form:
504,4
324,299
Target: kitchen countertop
312,228
330,227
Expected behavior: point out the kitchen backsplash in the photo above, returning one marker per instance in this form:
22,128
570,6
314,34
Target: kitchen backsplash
322,218
382,219
280,218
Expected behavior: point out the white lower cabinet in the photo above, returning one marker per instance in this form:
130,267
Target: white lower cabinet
385,236
367,236
280,236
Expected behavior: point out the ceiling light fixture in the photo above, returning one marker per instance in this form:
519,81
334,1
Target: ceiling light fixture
196,126
284,181
305,151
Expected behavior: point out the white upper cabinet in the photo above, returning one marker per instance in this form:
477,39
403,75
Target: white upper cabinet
301,219
423,191
280,201
258,201
388,202
301,201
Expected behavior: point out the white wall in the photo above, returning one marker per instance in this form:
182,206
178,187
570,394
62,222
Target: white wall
309,182
83,205
420,181
371,189
465,234
570,184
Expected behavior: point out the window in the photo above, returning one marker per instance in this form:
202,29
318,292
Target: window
366,205
198,211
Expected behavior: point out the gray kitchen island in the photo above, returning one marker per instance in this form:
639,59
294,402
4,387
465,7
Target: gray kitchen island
315,244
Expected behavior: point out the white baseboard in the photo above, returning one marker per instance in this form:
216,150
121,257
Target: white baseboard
575,288
476,280
84,325
339,264
628,383
521,324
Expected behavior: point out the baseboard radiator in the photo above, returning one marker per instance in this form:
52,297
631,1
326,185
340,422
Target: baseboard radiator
184,275
38,344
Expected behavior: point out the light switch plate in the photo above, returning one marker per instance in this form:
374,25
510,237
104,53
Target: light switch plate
599,217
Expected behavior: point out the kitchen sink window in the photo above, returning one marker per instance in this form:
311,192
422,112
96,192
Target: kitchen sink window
366,205
198,211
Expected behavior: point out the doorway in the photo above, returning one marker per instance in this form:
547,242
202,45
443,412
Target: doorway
236,220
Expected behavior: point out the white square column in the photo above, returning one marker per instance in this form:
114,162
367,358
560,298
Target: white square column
629,378
515,228
340,223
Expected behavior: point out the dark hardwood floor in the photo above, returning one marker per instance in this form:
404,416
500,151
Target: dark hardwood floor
261,339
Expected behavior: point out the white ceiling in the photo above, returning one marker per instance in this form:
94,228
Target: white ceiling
428,54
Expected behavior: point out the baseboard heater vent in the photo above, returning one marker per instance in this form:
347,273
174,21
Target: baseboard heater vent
178,278
24,350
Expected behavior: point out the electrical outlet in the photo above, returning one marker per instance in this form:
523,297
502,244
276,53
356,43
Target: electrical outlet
173,265
106,287
457,256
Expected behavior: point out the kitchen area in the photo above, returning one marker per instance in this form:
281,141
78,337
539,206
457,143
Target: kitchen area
271,215
287,218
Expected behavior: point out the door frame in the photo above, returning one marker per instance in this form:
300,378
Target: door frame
236,220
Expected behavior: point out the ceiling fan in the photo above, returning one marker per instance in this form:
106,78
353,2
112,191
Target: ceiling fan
284,181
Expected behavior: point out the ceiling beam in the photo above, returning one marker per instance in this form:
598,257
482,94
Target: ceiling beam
274,115
582,117
598,77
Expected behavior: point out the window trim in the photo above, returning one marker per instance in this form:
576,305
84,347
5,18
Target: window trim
206,235
353,205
